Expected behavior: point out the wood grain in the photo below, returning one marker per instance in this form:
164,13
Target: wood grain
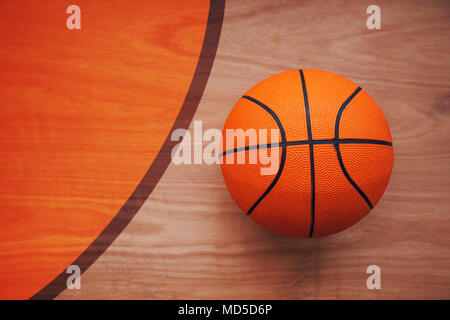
83,114
191,241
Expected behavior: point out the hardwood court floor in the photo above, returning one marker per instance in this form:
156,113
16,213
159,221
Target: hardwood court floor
83,115
191,241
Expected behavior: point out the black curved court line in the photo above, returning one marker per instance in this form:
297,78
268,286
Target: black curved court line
283,151
311,154
336,146
159,164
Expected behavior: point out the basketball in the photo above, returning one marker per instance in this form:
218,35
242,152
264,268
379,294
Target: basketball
331,145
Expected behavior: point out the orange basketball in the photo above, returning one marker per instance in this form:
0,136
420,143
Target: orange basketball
332,150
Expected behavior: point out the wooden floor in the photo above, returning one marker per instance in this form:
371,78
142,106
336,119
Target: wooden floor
190,240
76,131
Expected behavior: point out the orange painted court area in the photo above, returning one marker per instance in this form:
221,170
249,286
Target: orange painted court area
84,113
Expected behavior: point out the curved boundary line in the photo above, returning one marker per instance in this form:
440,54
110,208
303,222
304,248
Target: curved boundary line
336,145
160,163
283,151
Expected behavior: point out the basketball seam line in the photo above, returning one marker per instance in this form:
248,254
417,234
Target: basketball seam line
283,153
305,142
311,154
338,152
336,142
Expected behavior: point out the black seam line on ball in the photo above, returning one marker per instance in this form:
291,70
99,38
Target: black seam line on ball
303,142
341,110
283,151
311,154
341,162
272,113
